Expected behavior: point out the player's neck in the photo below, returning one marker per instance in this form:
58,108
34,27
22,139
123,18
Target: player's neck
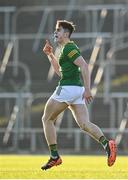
67,40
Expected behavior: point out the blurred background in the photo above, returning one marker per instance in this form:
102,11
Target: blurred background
27,79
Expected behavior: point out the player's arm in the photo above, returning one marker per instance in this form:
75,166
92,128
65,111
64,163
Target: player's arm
84,71
48,50
86,77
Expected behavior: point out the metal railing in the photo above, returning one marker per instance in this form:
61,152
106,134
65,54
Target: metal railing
7,11
116,103
75,133
70,133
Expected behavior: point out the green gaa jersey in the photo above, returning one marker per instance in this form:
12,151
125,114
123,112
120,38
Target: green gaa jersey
70,73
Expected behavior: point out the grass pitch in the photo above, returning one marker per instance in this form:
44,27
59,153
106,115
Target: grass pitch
73,167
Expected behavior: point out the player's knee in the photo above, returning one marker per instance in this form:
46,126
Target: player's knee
84,127
44,120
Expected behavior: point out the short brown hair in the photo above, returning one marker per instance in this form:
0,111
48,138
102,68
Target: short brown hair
66,25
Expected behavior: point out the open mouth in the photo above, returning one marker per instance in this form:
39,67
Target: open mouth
55,37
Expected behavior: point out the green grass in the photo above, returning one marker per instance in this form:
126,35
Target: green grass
73,167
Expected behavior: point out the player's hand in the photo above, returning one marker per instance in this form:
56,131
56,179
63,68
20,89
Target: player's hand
48,49
87,96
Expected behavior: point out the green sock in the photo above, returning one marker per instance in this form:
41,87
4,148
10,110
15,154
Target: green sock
53,151
103,141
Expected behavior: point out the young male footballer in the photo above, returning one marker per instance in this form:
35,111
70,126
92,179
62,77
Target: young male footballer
70,93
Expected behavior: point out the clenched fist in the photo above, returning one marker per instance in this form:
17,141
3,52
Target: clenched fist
48,49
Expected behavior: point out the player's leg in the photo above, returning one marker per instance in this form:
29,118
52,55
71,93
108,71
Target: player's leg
52,109
81,116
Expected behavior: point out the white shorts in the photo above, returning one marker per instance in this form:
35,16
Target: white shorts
69,94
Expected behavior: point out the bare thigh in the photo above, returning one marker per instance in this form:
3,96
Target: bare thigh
52,109
80,113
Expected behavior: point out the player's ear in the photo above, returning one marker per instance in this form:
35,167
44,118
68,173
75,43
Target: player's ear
66,34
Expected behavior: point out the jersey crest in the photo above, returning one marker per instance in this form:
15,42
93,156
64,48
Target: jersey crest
72,53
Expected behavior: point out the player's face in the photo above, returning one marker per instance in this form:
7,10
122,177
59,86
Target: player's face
59,34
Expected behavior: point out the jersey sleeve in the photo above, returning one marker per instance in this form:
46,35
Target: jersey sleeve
72,52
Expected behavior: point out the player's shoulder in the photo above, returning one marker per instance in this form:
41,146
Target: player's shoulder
70,46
